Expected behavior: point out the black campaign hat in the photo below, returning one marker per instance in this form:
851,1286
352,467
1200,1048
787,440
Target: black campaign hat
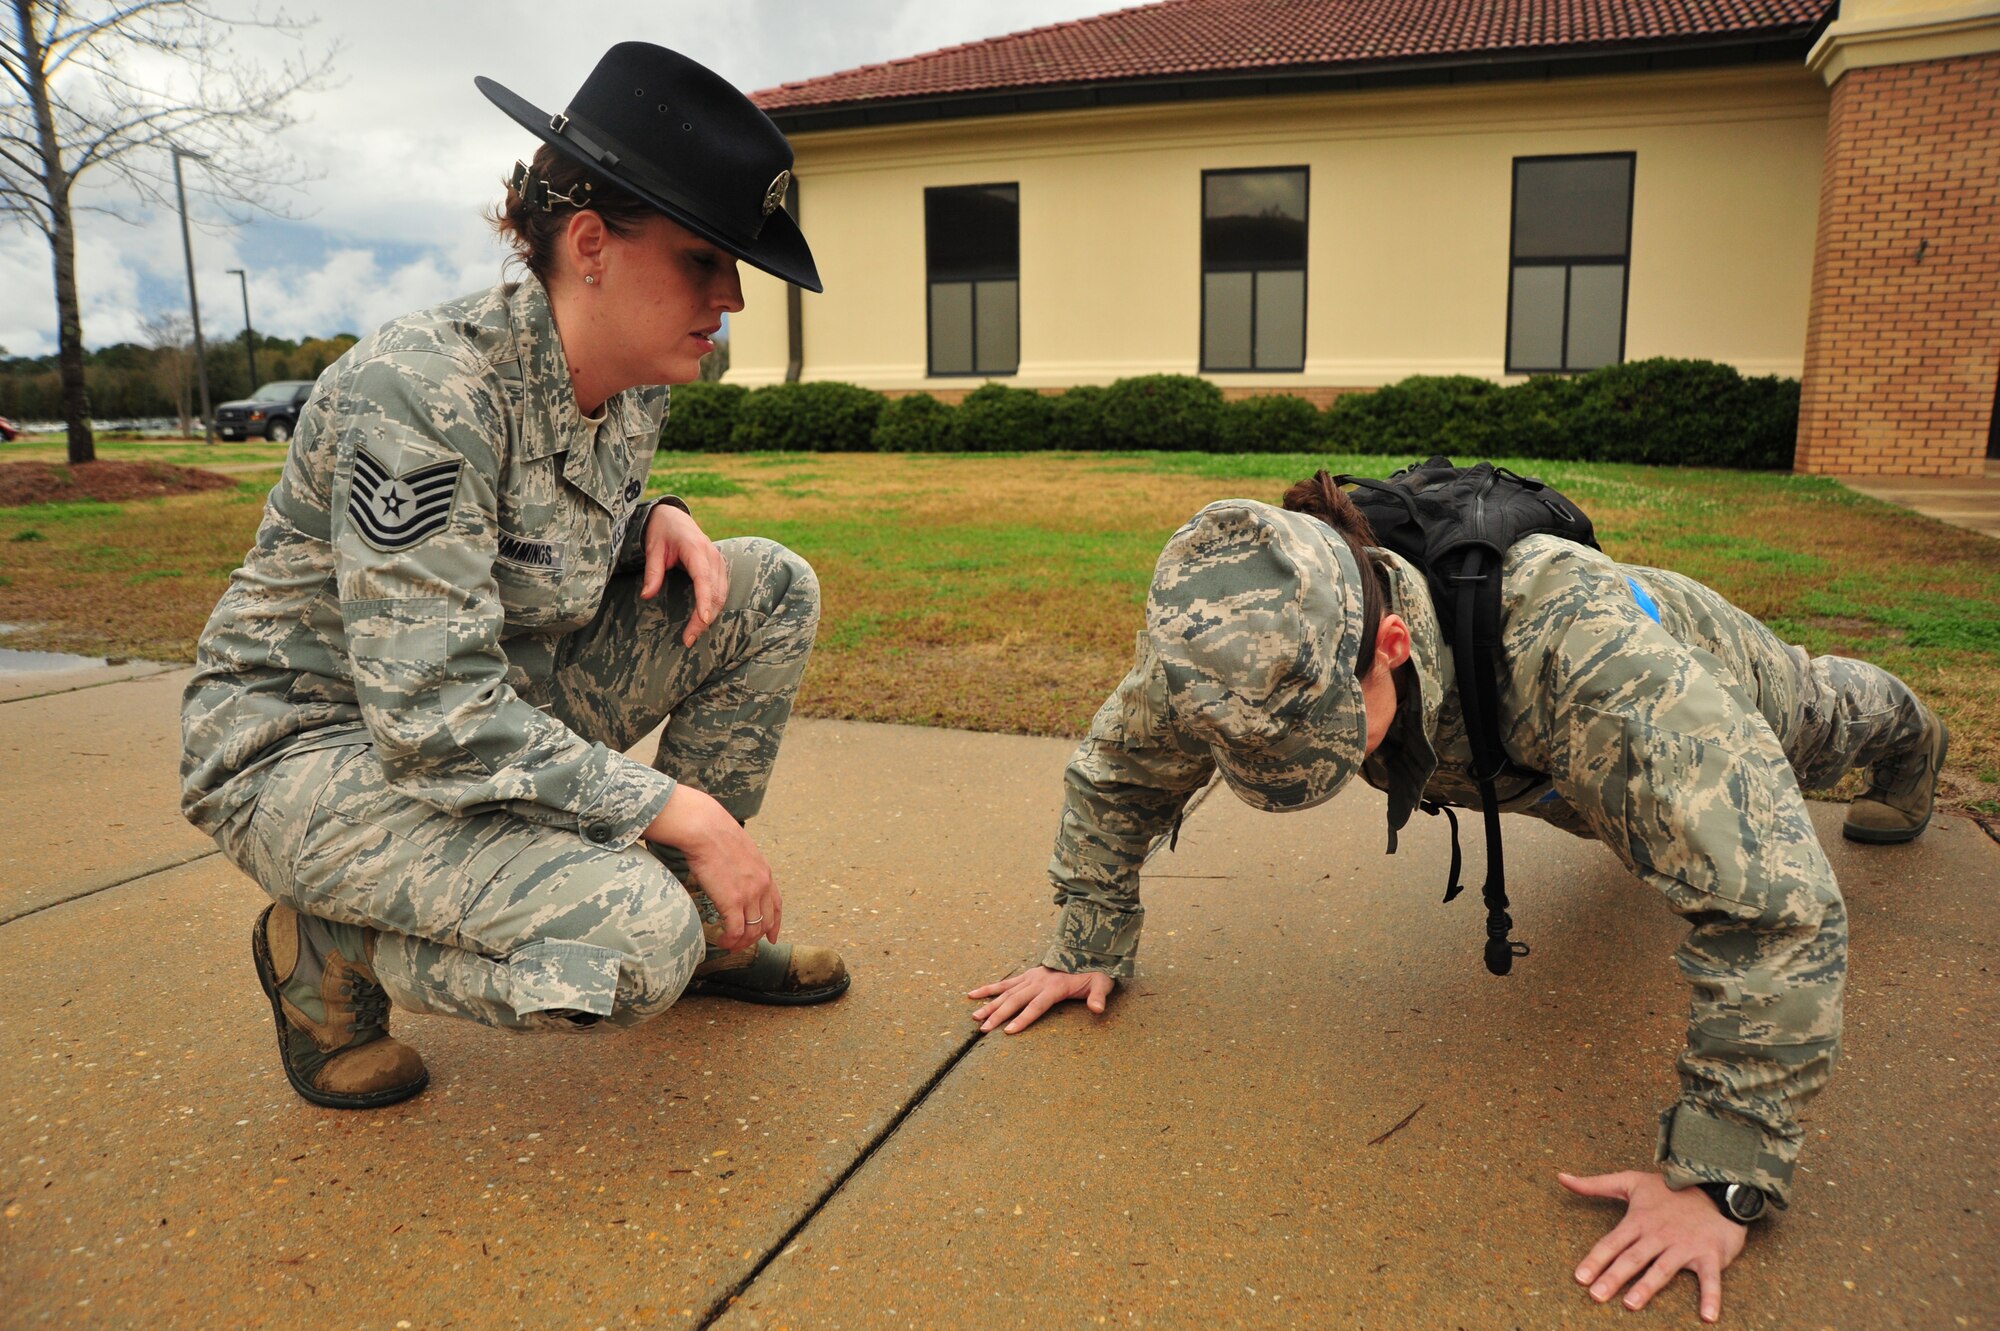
683,139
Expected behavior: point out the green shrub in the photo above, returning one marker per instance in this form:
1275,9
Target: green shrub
1273,423
700,417
818,417
1533,419
1769,417
1076,418
914,423
997,419
1425,414
1661,412
1688,413
1174,412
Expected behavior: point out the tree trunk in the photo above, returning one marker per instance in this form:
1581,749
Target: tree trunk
76,393
62,238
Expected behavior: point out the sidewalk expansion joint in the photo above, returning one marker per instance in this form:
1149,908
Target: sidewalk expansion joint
166,668
729,1298
106,887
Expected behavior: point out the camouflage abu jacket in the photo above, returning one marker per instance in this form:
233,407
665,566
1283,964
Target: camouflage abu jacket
445,515
1648,733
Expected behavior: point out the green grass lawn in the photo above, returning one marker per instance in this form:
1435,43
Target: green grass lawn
1000,592
181,452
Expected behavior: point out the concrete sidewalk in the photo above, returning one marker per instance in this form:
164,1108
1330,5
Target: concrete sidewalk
1223,1148
1971,502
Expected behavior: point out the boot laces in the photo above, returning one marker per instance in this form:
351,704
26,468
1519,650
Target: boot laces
370,1003
1907,775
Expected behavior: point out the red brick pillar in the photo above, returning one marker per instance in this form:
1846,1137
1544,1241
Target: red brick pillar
1903,339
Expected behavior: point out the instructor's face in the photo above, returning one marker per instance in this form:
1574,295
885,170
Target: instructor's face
669,289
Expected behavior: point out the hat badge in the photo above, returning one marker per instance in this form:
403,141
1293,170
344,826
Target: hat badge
774,197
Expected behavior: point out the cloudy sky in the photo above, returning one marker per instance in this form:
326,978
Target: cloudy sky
408,153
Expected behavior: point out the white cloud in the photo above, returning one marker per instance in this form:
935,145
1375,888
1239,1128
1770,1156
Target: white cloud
408,154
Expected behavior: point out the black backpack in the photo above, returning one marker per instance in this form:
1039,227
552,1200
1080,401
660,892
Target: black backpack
1455,524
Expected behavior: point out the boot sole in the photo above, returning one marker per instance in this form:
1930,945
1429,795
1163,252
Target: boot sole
1872,836
1869,836
267,976
770,997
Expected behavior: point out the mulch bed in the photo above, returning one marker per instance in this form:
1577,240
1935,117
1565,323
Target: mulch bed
57,482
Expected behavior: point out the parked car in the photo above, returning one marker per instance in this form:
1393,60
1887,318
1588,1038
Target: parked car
9,431
272,411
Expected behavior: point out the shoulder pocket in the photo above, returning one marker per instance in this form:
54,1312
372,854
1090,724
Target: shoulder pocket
1682,807
398,650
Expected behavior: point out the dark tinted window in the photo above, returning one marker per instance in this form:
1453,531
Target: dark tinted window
1572,228
1253,219
973,231
1572,207
972,240
1253,262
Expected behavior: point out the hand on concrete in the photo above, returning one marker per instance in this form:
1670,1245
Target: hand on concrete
1033,992
675,540
725,861
1664,1232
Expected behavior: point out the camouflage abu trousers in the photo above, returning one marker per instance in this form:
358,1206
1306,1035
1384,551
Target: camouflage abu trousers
500,919
1852,714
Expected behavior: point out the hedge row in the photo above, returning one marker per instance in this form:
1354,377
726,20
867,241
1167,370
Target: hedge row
1675,412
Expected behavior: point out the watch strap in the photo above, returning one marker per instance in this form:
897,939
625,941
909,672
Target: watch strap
1740,1209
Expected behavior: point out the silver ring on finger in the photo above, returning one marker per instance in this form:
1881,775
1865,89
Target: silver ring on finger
758,920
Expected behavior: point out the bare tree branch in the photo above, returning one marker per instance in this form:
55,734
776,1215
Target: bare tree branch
63,45
113,87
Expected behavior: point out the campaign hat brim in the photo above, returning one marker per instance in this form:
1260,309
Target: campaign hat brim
779,249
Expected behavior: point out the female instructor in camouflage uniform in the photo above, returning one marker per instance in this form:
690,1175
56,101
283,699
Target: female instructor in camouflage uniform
409,709
1286,651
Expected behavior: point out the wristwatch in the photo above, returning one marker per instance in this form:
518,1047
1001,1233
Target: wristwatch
1739,1201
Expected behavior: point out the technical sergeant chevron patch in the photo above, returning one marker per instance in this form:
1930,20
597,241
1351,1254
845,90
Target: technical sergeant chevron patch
394,512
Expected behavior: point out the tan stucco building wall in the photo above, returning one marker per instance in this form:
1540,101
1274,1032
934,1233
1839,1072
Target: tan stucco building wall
1409,211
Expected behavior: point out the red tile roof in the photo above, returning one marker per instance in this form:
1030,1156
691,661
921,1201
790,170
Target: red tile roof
1209,37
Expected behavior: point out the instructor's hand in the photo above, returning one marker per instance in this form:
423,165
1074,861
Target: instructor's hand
1664,1232
725,862
675,540
1033,992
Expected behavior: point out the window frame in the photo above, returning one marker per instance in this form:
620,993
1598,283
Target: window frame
1303,269
1568,263
930,319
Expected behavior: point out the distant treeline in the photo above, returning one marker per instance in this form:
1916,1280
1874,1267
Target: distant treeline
129,380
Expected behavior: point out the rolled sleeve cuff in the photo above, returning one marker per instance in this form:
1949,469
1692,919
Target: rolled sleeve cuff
632,547
1092,937
631,797
1696,1146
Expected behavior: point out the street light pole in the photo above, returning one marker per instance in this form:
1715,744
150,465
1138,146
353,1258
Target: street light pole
249,345
194,301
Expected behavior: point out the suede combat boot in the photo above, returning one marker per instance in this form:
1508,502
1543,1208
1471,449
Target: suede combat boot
1897,805
792,974
332,1015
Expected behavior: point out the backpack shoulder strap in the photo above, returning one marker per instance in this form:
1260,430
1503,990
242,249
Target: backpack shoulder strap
1456,524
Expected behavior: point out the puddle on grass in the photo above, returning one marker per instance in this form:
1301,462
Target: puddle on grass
47,663
36,663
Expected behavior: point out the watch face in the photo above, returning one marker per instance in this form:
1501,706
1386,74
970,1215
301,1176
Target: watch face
1745,1202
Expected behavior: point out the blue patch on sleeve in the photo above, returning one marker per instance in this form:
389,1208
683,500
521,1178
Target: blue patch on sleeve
1646,602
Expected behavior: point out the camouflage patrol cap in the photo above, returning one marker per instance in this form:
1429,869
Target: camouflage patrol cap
1255,616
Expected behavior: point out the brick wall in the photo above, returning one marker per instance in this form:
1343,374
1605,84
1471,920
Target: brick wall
1903,339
